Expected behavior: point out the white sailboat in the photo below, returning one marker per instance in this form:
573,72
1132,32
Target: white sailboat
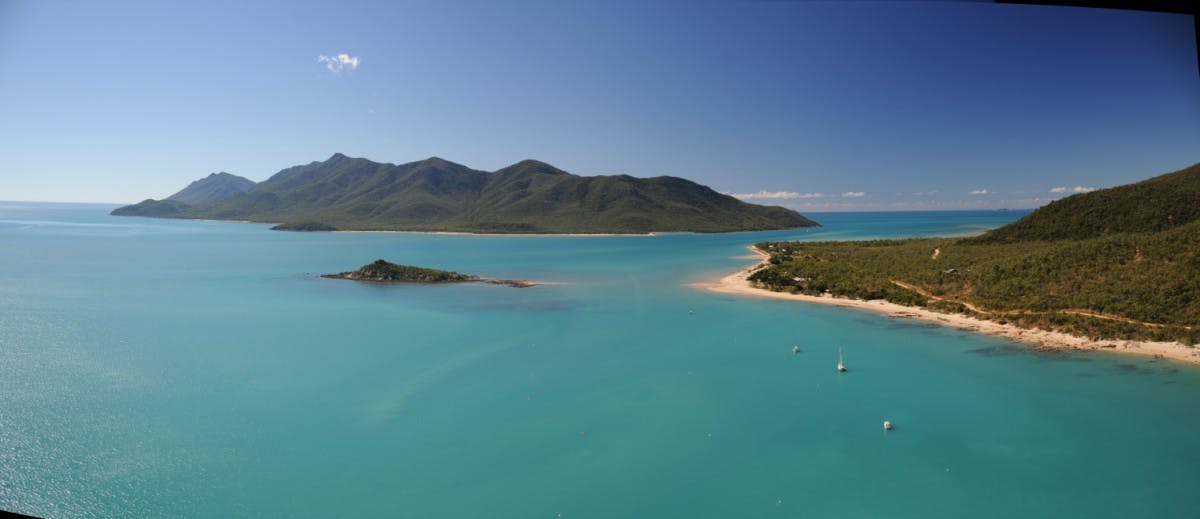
841,365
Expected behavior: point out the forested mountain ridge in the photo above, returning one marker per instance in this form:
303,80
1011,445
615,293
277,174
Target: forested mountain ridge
1155,204
439,195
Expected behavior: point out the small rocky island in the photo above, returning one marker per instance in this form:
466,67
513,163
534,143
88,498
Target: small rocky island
386,272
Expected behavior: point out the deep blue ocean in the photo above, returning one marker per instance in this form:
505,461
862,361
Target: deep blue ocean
202,369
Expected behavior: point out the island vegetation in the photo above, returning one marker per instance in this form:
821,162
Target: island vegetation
1120,263
304,227
382,271
529,197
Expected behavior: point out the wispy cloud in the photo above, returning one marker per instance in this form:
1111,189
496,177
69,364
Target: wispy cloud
1076,189
977,192
926,193
338,62
768,195
794,195
777,195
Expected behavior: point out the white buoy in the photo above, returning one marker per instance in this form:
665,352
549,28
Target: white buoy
796,349
887,426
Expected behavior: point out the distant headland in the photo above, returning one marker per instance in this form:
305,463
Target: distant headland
436,195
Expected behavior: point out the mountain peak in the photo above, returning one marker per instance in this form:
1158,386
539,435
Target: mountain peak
439,163
435,160
214,187
532,166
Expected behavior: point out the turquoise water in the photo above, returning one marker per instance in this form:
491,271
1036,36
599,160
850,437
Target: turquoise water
182,368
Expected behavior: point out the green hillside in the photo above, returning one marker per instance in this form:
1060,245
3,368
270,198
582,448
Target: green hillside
217,186
438,195
1156,204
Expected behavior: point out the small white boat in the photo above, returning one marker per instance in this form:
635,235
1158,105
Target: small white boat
887,425
841,365
796,348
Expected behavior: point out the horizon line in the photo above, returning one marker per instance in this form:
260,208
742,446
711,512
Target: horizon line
851,210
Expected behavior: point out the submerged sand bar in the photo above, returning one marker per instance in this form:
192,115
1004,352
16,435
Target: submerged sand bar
738,283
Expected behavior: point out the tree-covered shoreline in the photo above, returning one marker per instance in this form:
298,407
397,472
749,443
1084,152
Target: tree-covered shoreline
1101,278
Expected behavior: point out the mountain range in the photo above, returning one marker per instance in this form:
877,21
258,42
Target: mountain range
434,194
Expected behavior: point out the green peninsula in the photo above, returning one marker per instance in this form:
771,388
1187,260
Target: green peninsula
382,271
529,197
1119,263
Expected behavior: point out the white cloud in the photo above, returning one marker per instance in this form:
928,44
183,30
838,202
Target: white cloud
1076,189
926,193
977,192
338,62
792,195
771,195
778,195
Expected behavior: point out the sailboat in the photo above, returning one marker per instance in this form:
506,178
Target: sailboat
841,365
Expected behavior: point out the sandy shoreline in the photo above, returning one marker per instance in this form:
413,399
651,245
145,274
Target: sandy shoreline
738,284
464,233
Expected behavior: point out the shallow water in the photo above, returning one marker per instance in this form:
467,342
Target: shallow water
182,368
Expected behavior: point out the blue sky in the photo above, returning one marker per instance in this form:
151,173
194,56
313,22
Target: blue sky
823,105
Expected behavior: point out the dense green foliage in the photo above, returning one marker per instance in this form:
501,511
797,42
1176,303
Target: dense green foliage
1127,279
217,186
1157,204
437,195
384,271
304,226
